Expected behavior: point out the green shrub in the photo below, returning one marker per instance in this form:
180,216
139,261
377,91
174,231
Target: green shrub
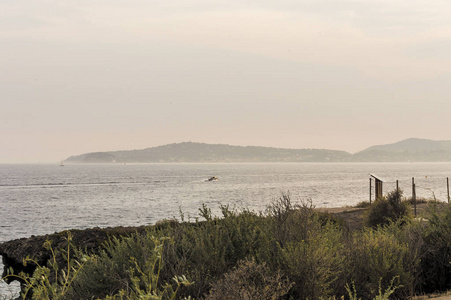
315,264
419,200
362,204
375,257
205,251
145,279
202,251
248,281
387,209
284,223
436,251
329,218
128,268
72,280
289,222
109,272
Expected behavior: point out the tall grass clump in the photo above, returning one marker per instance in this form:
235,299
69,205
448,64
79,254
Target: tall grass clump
387,209
382,295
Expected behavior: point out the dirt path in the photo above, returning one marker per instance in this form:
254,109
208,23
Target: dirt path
444,296
354,217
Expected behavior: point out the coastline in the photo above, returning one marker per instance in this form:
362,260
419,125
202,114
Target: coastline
14,251
90,240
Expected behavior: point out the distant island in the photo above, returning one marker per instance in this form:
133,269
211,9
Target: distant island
413,150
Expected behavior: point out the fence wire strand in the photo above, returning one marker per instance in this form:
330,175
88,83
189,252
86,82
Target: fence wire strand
426,187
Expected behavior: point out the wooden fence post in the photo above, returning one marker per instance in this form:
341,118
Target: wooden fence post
414,197
447,186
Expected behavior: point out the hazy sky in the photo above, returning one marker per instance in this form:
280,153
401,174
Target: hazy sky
99,75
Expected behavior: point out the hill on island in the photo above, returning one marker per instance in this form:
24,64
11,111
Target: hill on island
414,150
199,152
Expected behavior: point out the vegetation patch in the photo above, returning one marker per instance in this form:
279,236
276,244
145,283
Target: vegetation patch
289,251
387,209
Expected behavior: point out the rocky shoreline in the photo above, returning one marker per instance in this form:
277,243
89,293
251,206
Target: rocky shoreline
15,251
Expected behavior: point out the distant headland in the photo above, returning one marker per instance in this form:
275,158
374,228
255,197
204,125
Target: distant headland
409,150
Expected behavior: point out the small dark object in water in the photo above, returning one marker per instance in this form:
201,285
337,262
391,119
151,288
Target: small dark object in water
213,178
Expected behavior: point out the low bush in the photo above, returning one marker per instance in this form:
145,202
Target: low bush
203,251
436,250
419,200
315,264
387,209
375,257
250,281
110,271
328,218
362,204
128,268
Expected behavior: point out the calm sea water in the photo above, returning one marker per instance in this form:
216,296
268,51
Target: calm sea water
41,199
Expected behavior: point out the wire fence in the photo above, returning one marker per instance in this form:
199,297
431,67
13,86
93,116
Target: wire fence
423,187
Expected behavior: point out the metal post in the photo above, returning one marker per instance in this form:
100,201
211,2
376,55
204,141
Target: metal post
370,190
397,186
414,197
447,186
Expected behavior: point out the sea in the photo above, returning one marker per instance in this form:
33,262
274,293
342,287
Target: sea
37,199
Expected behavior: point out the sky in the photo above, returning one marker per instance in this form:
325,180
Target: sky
96,75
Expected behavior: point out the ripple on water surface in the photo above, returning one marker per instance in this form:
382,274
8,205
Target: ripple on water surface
40,199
